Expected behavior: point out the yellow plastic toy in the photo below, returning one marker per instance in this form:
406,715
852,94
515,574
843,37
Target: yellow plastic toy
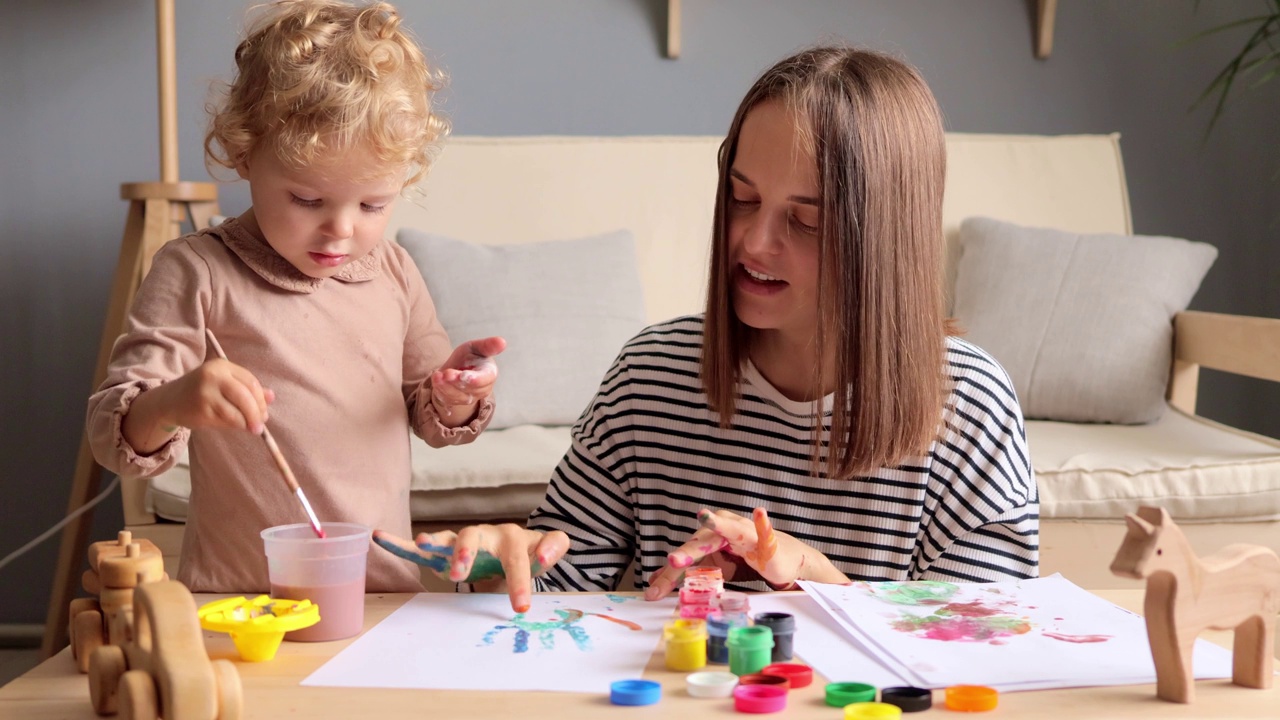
257,626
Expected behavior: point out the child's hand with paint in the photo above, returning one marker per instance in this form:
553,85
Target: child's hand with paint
217,394
775,557
495,557
465,379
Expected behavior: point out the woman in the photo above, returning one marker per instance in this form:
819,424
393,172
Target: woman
820,421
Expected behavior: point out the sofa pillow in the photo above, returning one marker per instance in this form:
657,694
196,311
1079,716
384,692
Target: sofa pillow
565,307
1082,323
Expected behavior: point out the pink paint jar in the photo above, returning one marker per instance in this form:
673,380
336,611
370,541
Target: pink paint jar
328,571
700,592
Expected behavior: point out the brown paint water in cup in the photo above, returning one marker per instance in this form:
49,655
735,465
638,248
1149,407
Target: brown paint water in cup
341,609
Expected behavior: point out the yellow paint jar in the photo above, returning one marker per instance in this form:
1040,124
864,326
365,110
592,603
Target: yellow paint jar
686,641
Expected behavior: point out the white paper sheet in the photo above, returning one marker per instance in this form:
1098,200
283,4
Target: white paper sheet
1021,635
472,641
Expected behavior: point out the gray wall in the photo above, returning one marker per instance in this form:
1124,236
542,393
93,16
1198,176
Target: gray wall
78,117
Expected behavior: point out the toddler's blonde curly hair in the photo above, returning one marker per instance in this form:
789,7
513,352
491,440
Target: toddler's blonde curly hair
315,78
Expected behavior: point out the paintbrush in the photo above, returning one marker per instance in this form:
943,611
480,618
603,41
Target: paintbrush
289,479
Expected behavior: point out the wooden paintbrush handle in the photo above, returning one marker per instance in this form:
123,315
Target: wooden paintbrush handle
279,458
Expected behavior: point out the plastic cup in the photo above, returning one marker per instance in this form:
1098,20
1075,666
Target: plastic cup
328,571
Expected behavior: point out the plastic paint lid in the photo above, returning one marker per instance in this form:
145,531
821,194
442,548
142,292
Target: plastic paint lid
634,692
910,699
798,675
711,684
762,679
971,698
759,698
753,637
846,693
871,711
780,623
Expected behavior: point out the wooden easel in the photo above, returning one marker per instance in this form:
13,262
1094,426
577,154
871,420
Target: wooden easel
157,211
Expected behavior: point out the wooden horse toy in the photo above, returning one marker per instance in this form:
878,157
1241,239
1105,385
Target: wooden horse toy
1237,588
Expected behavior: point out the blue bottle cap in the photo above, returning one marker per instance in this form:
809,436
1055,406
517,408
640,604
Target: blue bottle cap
634,692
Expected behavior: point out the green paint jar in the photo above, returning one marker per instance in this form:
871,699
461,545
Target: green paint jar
750,649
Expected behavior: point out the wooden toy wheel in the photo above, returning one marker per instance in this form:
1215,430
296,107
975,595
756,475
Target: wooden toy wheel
138,696
230,695
86,636
106,666
78,606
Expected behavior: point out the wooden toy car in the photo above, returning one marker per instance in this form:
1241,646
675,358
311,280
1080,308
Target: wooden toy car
116,567
161,669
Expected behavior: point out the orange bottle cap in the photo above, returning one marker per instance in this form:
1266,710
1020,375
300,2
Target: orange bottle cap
972,698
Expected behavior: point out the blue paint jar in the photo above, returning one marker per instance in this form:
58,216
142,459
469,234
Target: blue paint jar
732,613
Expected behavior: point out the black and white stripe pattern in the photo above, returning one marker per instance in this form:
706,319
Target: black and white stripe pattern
648,453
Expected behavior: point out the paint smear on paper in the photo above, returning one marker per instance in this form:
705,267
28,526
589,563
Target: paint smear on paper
1077,638
960,628
545,630
923,592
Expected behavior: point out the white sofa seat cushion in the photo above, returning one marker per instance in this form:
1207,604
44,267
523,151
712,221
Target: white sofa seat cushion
1197,469
503,474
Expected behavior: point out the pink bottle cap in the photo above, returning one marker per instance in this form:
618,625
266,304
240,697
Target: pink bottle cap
759,698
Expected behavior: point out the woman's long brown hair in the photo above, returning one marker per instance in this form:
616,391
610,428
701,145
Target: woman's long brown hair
878,141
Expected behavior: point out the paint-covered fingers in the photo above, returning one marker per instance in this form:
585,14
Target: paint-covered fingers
546,550
410,551
512,552
704,543
474,351
662,582
766,538
437,544
466,548
738,532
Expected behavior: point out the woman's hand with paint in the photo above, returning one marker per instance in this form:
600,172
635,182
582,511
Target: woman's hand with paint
507,550
465,379
486,555
745,550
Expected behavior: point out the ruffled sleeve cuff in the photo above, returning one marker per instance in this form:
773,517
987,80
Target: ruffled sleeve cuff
130,461
430,429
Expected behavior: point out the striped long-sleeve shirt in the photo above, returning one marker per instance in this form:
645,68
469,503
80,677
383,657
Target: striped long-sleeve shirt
649,452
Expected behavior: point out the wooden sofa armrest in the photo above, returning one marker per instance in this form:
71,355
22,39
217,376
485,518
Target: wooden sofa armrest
1236,344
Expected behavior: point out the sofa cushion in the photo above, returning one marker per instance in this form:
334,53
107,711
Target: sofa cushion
566,307
1197,469
1082,323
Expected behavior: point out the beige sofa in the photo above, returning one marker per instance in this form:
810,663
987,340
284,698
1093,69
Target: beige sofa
1222,485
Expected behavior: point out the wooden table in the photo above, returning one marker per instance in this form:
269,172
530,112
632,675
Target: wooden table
272,692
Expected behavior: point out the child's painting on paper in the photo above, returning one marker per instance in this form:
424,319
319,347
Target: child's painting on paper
569,643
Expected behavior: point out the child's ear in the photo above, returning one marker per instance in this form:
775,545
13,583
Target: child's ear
243,169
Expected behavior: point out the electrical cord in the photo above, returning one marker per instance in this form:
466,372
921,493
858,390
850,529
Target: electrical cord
61,524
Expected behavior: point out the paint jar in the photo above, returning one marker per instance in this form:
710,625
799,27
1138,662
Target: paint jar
328,571
698,596
783,626
749,649
731,614
712,575
686,641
